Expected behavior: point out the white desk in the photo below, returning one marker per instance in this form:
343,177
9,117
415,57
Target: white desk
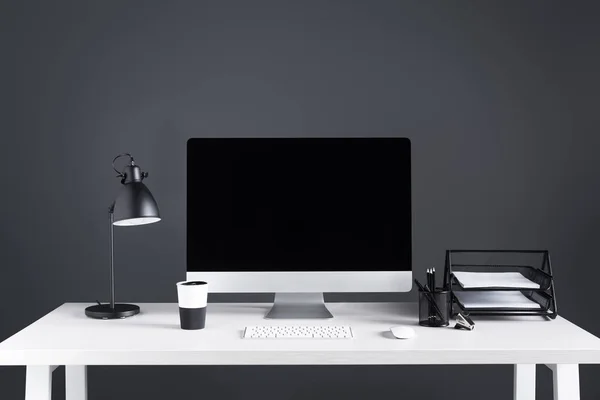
66,337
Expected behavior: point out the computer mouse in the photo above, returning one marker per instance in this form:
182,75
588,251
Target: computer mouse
402,332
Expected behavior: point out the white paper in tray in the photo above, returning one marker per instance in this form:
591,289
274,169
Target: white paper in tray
496,300
473,280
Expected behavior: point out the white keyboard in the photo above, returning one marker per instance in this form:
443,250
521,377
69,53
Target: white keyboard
298,332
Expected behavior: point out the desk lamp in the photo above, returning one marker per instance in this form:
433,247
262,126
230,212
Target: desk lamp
134,206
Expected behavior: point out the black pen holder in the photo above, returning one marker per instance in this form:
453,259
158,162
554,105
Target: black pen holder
428,316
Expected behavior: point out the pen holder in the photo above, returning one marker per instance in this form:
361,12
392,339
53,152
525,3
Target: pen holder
428,316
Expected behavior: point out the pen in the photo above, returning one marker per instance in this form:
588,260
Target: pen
430,299
429,278
432,290
430,316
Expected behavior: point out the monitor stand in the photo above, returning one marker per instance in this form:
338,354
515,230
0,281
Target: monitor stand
298,305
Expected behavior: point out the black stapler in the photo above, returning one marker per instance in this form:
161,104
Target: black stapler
464,322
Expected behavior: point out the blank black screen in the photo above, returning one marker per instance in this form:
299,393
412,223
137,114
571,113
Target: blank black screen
298,204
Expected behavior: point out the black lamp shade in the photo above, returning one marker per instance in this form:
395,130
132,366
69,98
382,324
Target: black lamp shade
135,205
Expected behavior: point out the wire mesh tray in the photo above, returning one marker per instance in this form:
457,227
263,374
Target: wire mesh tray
533,265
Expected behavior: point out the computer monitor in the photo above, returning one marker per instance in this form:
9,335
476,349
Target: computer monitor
299,217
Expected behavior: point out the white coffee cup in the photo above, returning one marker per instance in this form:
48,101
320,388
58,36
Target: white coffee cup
192,297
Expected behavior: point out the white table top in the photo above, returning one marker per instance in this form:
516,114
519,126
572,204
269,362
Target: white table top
67,337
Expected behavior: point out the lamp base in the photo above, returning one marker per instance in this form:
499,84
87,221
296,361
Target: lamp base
105,311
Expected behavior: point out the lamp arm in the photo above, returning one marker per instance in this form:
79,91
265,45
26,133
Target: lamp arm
111,220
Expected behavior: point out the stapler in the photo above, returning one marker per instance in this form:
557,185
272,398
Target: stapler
464,322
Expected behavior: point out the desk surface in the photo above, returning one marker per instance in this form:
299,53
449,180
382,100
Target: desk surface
67,337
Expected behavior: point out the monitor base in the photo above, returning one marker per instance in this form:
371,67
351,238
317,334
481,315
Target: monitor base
299,306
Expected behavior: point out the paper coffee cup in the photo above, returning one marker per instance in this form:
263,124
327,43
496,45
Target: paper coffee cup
192,297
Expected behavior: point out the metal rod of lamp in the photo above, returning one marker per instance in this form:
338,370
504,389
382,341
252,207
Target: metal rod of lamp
111,219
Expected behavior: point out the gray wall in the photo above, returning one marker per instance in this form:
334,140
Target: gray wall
500,100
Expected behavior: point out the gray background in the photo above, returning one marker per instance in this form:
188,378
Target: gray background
500,100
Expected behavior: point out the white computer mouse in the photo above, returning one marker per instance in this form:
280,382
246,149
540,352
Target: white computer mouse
402,332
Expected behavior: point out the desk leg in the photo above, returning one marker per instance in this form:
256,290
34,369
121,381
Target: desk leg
76,382
566,381
38,382
524,385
